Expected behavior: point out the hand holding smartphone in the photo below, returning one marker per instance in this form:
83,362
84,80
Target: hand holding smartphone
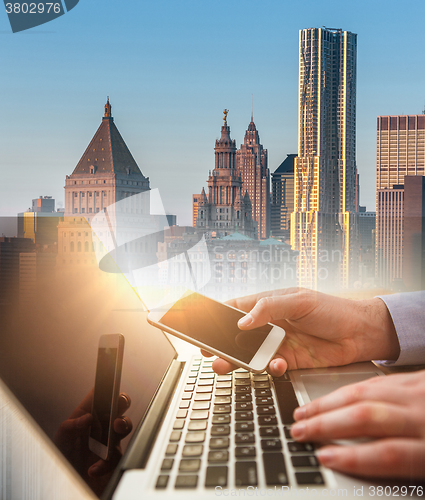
212,326
106,392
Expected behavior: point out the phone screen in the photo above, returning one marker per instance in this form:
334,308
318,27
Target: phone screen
104,388
215,325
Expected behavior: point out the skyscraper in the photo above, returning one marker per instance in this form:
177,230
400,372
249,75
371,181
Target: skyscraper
282,203
389,235
400,152
251,163
400,149
226,208
414,233
323,222
195,201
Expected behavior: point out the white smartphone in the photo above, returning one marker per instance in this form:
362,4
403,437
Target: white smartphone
106,393
212,326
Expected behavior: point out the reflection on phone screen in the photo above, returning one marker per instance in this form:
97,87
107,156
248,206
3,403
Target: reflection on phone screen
104,386
215,325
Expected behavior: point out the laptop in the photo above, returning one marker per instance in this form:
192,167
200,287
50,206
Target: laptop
194,432
223,435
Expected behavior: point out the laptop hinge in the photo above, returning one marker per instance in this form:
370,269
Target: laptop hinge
138,453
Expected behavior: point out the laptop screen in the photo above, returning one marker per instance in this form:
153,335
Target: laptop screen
51,326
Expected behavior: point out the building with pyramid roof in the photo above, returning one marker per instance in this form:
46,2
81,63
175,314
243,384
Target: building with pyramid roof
227,207
105,174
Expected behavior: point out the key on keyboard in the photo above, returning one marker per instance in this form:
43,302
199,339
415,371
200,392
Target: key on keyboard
233,417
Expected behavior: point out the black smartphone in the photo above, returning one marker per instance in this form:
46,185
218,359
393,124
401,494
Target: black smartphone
213,326
106,393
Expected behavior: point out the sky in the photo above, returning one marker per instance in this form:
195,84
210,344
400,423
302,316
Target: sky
170,68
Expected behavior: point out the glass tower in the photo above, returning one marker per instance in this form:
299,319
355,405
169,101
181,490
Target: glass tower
323,225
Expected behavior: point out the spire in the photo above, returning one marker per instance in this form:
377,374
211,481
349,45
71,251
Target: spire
251,126
108,109
247,199
225,147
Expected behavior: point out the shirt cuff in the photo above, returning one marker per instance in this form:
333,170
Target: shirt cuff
407,311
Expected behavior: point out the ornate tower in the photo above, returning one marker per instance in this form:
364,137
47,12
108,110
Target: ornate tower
226,209
251,163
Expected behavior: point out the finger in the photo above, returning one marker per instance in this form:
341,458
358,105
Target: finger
375,389
366,419
123,426
101,467
221,366
84,406
277,366
124,403
395,458
206,353
277,307
248,302
244,303
76,425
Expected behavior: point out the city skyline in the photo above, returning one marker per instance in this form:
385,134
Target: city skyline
168,91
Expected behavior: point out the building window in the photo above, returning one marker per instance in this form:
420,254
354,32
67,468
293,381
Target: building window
71,247
86,246
79,246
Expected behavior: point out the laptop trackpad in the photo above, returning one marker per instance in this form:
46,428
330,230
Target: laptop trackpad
318,385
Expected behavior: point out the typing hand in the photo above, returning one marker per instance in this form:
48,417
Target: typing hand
321,330
390,410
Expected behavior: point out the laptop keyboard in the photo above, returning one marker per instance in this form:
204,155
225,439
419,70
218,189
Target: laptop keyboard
234,431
